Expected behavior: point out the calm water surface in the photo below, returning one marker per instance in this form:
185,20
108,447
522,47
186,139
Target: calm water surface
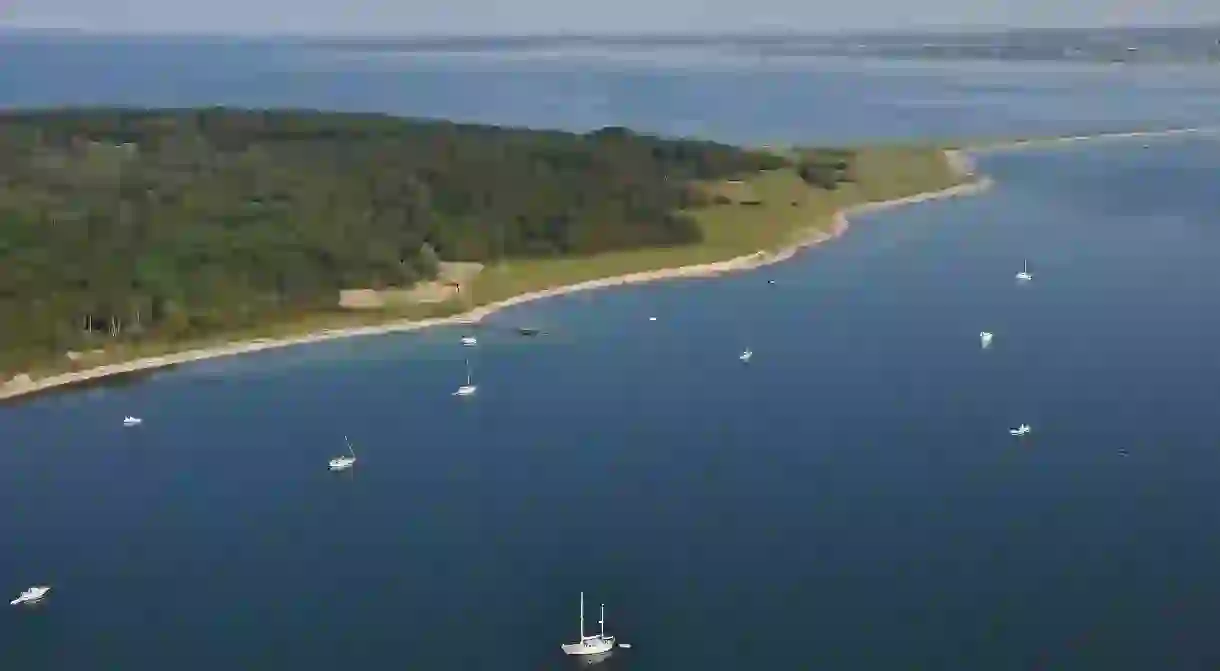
849,500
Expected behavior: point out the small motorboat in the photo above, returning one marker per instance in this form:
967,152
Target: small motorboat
527,331
625,646
132,421
985,338
470,341
746,356
31,595
1020,430
768,282
652,319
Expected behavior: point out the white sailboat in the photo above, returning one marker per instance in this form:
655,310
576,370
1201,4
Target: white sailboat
985,338
590,645
31,595
746,356
344,463
470,341
130,421
1020,430
469,388
1025,275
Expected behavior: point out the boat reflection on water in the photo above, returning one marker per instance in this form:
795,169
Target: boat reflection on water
582,661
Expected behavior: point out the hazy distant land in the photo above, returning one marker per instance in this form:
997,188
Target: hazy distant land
1195,44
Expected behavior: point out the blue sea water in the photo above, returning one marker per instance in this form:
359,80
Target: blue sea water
851,499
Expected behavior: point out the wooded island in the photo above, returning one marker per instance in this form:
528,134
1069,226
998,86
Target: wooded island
127,226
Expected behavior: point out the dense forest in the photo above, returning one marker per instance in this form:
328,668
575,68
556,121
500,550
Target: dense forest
126,222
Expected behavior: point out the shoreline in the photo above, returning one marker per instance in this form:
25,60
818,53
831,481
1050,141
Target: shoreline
959,159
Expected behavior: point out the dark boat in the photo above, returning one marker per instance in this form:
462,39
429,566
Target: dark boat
527,331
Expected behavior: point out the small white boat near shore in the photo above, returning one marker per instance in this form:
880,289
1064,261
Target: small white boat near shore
469,388
470,341
31,595
130,421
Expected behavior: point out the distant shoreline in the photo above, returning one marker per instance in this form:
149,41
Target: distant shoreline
959,160
1011,145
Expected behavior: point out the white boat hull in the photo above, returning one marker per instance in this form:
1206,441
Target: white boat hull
594,645
31,596
466,390
341,464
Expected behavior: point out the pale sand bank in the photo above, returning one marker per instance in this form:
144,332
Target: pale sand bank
1033,144
959,160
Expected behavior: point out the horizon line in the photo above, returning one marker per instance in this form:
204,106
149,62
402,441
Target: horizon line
641,34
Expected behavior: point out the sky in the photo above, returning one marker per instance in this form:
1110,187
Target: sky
469,17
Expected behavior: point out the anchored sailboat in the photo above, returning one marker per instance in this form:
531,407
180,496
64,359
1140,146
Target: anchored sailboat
344,463
1025,275
590,645
469,388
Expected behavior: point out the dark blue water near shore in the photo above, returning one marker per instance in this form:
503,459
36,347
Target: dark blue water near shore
849,500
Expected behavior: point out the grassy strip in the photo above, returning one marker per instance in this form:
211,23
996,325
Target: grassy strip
786,208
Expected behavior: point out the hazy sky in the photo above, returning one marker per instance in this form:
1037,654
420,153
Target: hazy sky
401,17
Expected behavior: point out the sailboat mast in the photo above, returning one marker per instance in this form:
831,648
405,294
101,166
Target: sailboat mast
602,622
582,616
468,384
349,447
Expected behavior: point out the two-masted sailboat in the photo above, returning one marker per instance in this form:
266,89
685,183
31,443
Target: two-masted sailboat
590,645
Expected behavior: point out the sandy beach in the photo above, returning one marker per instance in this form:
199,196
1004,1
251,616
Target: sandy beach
960,161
